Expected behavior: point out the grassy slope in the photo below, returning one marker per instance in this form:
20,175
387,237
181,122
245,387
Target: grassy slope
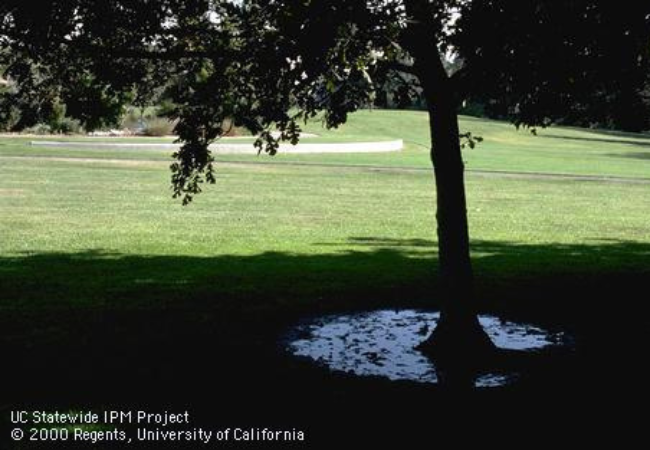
328,229
554,150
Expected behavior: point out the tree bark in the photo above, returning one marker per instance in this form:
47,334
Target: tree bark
458,334
458,337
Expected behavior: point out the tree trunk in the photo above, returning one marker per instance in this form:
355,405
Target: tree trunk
458,334
458,337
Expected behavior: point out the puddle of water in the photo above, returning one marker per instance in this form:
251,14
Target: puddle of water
382,343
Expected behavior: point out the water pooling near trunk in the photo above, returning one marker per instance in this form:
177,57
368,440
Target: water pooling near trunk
382,343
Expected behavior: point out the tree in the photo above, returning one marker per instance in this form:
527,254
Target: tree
580,62
269,64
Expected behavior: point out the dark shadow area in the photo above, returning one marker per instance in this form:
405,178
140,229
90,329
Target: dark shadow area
604,140
98,331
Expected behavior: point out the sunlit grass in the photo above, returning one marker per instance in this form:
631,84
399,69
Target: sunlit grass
554,150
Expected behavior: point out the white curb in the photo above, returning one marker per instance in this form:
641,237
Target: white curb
222,148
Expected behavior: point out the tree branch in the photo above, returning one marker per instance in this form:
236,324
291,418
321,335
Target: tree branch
401,67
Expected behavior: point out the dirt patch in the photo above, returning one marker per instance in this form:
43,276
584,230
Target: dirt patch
12,192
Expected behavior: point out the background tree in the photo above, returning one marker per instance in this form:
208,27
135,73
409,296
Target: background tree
580,62
271,64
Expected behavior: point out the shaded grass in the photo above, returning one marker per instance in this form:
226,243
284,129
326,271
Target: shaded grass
174,341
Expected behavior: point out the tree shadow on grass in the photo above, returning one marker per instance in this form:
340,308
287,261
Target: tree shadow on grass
97,328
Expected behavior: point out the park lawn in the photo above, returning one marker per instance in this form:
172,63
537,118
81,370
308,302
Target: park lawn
97,230
106,233
557,150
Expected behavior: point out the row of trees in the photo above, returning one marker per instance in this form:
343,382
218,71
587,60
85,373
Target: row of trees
83,110
33,100
604,83
273,64
622,106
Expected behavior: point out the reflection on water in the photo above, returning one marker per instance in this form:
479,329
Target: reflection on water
382,343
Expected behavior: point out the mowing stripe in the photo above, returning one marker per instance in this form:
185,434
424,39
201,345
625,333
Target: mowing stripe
479,172
233,148
368,167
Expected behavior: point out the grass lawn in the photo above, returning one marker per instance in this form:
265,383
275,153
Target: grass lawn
555,150
116,203
123,208
100,267
334,221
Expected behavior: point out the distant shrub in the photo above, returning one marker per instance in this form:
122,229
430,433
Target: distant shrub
39,128
63,125
158,126
152,121
66,125
9,117
133,121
